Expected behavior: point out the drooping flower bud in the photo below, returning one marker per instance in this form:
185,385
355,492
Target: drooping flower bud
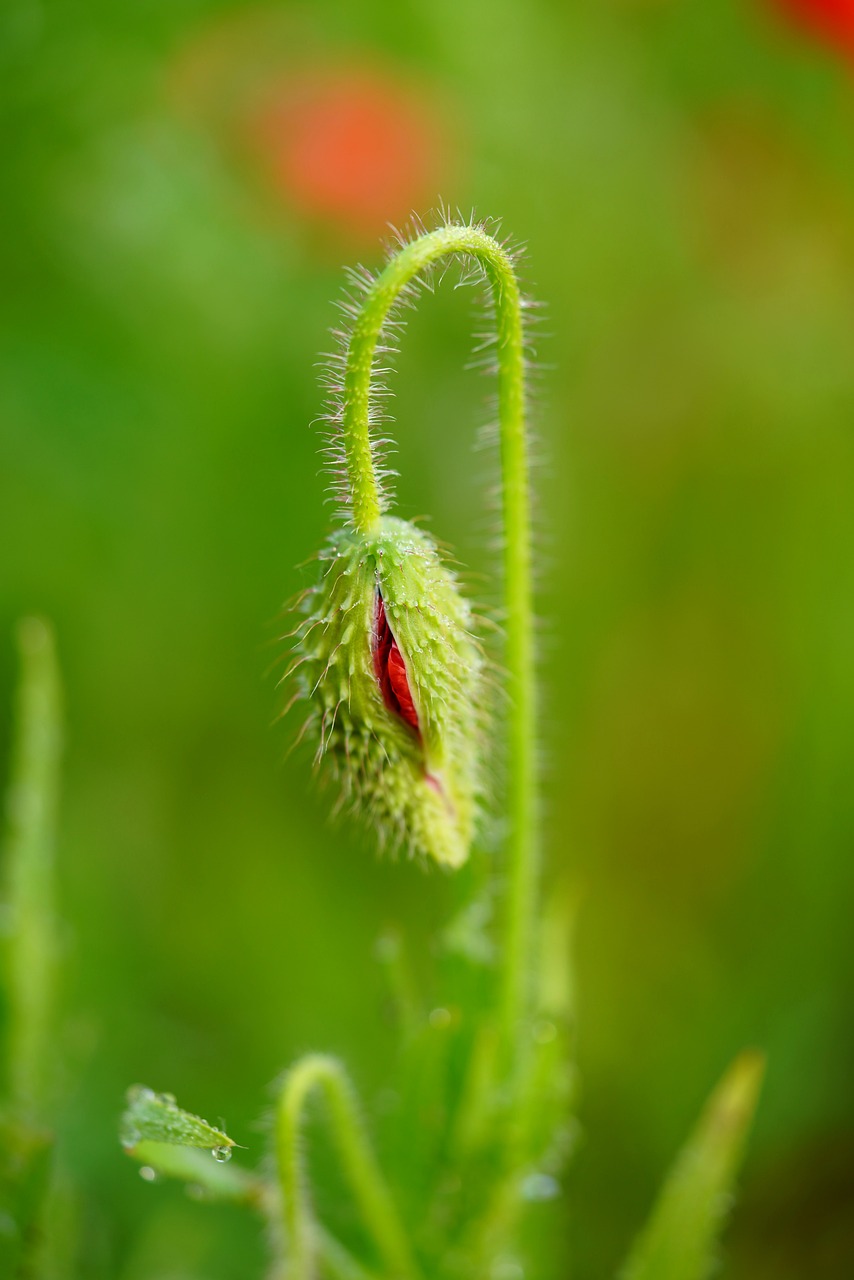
394,673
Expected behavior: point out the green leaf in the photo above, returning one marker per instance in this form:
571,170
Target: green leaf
680,1238
214,1181
156,1117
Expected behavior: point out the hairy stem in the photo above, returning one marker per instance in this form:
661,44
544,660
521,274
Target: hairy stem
319,1072
522,857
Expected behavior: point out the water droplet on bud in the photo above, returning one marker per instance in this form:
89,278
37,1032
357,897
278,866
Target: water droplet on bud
221,1154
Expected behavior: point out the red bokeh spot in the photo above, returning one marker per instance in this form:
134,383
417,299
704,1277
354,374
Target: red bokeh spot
830,20
352,147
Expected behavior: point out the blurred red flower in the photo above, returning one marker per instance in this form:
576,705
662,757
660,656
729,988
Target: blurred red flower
352,147
831,20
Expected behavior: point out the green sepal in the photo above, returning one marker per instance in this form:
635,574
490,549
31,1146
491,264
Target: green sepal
419,788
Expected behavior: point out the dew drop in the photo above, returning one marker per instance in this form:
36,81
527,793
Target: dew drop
387,1101
566,1141
539,1186
544,1031
8,1227
148,1174
723,1203
221,1154
387,948
130,1137
439,1018
506,1269
7,920
140,1093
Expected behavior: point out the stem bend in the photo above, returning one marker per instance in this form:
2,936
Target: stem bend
366,501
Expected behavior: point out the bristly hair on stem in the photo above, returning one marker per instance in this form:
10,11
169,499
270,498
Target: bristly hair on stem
375,393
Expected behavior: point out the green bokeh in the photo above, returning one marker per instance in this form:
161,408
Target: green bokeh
681,173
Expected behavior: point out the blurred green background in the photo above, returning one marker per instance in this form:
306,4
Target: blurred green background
182,182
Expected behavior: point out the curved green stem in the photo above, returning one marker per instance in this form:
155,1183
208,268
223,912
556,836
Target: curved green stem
523,858
319,1072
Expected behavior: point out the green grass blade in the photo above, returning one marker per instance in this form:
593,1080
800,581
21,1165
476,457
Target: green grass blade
680,1240
31,948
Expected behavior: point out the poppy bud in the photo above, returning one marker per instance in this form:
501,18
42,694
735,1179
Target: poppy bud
395,678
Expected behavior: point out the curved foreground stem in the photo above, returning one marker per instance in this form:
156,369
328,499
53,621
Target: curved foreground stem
522,858
319,1072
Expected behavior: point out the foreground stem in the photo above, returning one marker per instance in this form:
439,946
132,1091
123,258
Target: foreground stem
318,1072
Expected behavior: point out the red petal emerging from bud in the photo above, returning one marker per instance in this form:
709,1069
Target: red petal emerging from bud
390,670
